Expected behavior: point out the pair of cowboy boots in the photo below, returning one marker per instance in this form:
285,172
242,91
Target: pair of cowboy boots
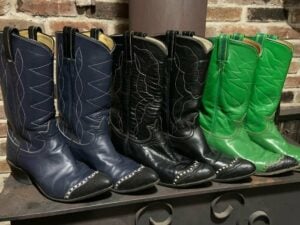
156,93
242,92
72,158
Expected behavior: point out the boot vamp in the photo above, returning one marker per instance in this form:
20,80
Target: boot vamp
53,167
240,145
101,155
272,140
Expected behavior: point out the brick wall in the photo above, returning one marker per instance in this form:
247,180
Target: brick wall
280,17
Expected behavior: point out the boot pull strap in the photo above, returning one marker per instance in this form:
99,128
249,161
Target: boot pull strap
238,36
171,41
260,37
7,34
95,32
69,42
32,32
188,33
128,37
223,49
140,34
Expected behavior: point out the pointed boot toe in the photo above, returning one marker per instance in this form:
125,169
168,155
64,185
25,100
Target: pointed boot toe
238,169
285,164
95,184
140,179
195,174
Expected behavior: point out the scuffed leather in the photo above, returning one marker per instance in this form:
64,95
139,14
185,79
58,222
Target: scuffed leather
225,101
84,104
136,116
187,75
270,75
34,143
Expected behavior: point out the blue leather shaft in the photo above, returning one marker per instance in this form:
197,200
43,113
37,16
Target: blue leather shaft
34,143
84,79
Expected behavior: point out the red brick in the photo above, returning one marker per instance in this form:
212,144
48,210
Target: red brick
3,147
210,30
296,44
4,168
223,14
4,6
240,28
82,25
294,67
292,82
251,2
48,7
2,113
284,32
19,23
3,129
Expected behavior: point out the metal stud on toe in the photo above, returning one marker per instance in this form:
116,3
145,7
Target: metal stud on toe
179,174
128,176
81,183
226,167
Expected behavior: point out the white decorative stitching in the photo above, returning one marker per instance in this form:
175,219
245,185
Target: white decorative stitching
81,183
226,167
123,179
180,174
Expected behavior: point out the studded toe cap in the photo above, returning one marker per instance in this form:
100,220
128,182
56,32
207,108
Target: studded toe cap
140,179
237,169
91,186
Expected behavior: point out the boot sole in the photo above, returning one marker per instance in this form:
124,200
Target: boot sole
22,177
142,188
276,172
188,184
233,179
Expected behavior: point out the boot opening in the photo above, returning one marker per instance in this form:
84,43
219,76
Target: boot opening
254,44
42,38
205,43
104,39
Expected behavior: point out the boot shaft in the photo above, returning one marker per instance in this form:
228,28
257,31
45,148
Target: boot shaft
228,86
27,83
188,61
270,75
84,63
138,85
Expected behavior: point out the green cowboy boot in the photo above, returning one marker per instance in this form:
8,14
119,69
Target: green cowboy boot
225,102
270,75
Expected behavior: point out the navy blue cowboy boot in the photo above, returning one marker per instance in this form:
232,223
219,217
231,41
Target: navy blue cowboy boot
84,65
136,118
36,151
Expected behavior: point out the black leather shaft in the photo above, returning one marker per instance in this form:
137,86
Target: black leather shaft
34,145
84,78
136,122
187,65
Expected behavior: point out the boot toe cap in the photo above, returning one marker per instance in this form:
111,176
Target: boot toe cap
286,164
195,174
93,185
140,179
238,169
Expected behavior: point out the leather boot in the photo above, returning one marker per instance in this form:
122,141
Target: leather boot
136,117
36,151
270,75
225,102
188,61
84,65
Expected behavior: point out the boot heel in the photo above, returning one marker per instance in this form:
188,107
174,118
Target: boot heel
19,174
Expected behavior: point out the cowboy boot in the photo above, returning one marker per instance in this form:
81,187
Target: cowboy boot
136,116
36,151
225,102
188,60
84,64
269,78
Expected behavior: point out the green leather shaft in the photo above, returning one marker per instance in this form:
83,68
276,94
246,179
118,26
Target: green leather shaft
225,102
270,75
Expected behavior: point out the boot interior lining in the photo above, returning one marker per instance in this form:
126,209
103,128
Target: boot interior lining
253,43
104,39
205,43
42,38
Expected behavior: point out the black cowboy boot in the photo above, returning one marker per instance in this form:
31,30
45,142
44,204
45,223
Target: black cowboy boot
84,65
138,86
188,61
36,151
